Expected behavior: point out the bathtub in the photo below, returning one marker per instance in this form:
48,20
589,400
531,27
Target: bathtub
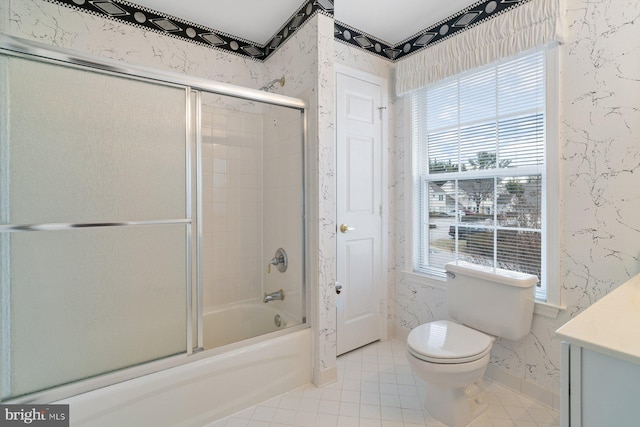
239,322
204,390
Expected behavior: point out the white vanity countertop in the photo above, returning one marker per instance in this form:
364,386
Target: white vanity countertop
611,325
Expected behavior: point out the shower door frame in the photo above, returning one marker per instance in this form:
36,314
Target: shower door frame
194,87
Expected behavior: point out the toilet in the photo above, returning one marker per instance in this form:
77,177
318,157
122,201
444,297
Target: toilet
451,356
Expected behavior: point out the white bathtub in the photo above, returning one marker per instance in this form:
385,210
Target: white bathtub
239,322
199,392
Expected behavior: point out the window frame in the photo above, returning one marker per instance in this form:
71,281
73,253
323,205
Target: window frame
548,303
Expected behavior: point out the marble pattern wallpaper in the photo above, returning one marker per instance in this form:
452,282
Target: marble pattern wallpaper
58,25
599,186
599,142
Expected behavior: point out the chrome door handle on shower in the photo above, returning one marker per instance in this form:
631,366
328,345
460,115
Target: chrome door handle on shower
344,228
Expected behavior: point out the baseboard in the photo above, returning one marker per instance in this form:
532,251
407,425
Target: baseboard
323,378
401,333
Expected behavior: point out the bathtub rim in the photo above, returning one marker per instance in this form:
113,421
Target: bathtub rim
129,399
74,389
252,302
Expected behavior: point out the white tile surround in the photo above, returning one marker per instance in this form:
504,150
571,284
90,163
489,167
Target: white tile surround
252,170
232,191
376,388
600,161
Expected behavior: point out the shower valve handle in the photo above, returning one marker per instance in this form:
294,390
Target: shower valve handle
279,260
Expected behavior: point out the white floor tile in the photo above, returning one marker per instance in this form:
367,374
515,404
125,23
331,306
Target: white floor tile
348,421
370,412
350,396
312,392
326,420
542,415
368,398
390,414
236,422
391,400
246,413
284,416
289,403
411,402
376,388
330,407
412,416
309,405
518,413
263,413
349,409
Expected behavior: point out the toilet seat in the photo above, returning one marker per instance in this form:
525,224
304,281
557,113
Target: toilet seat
448,342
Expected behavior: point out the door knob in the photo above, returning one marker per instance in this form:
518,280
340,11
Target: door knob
338,288
344,228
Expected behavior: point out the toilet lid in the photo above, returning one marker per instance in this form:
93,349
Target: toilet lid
448,342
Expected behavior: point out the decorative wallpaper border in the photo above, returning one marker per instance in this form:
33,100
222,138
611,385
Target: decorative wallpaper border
142,17
148,19
469,17
351,36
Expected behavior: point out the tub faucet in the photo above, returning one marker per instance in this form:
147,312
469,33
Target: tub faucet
273,296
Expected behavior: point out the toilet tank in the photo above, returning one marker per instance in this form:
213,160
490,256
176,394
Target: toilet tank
496,301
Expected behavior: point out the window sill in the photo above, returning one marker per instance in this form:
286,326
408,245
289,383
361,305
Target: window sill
548,310
541,308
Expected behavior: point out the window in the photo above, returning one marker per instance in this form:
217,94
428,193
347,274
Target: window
480,144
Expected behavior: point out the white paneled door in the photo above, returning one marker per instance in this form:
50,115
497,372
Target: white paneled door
359,210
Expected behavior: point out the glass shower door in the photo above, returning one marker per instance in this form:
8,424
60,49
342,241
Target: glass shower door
95,224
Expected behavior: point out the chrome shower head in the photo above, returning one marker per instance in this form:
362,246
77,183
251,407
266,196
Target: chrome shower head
269,87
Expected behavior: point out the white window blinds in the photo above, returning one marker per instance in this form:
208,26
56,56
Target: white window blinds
479,167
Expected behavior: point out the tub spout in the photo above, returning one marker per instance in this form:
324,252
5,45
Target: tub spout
273,296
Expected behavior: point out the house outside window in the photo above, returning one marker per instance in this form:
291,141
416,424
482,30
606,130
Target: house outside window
480,144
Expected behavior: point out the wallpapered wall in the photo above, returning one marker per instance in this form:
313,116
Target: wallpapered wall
599,142
599,185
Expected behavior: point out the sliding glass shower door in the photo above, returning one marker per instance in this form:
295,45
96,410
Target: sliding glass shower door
95,220
136,208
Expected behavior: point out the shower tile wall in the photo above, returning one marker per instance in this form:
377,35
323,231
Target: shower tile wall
232,206
283,222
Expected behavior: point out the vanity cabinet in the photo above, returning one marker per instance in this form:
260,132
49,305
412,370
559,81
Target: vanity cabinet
598,389
600,370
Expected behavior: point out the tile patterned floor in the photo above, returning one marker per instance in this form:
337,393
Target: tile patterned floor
376,388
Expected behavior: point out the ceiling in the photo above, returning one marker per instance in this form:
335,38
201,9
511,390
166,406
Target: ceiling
258,20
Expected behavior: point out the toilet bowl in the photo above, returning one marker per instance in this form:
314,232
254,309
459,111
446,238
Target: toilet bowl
451,359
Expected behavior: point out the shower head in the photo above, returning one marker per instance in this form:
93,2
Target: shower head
269,86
